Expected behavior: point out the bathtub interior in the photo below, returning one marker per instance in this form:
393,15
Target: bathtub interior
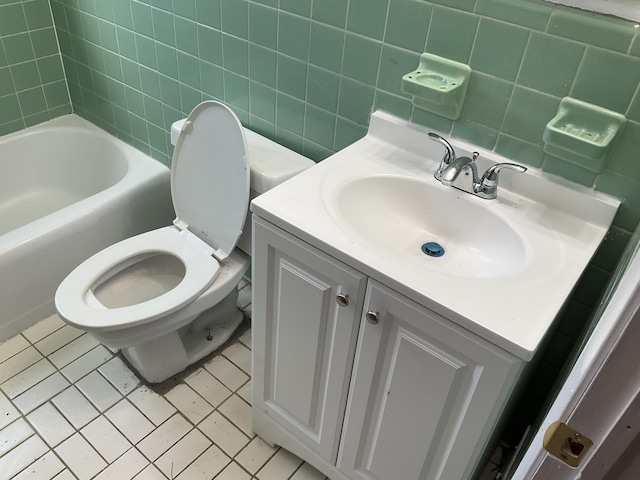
46,171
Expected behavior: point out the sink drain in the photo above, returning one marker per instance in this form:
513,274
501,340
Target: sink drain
433,249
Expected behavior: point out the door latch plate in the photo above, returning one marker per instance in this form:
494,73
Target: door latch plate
566,444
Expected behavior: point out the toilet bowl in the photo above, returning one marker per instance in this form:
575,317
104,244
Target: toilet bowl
167,298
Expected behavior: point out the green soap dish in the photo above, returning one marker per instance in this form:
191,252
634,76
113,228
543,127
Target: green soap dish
582,133
438,85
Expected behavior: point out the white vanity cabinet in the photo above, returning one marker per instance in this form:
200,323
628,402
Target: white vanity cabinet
303,341
409,380
425,395
380,388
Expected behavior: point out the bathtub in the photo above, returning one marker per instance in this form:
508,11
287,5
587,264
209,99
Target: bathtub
67,190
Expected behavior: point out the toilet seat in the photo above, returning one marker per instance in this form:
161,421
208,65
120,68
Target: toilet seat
210,177
210,193
76,303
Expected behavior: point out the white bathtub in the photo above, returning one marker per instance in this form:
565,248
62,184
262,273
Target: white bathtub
67,190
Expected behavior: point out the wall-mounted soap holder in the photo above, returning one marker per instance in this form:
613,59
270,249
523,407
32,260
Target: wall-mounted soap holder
438,85
582,133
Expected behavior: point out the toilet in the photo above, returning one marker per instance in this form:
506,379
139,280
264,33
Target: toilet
167,298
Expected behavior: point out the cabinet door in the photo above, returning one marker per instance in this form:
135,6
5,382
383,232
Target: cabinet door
425,394
303,341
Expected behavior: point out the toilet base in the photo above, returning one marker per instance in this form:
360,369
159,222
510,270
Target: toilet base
163,357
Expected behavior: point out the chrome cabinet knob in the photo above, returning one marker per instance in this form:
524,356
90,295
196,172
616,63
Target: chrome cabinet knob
342,299
372,317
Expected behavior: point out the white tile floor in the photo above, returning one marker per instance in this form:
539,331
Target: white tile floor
71,409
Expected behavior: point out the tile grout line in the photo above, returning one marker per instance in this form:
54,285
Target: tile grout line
234,358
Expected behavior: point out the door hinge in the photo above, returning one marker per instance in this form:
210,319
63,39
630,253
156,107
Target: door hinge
566,444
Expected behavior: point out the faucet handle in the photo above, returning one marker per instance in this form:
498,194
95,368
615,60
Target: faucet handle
488,184
491,175
450,154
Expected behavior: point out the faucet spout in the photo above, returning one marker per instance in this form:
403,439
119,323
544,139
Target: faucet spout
459,165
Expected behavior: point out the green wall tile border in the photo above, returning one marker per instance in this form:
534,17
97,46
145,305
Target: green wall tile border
592,29
534,15
467,5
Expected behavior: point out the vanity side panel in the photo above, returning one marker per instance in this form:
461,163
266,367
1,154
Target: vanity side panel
303,341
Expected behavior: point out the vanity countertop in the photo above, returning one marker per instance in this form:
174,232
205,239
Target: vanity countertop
549,230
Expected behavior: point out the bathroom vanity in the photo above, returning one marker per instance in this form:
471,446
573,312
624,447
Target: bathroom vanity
374,360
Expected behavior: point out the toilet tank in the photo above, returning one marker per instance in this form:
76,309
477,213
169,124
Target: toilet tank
270,164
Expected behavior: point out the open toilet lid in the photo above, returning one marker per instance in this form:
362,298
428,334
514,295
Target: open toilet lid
210,177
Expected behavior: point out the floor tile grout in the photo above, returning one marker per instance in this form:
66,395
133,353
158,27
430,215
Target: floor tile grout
52,356
226,450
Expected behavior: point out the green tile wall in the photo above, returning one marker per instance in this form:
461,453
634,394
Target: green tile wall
309,72
32,82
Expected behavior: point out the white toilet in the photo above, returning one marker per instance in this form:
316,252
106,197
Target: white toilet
167,297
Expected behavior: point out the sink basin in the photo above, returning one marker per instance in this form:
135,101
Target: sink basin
398,214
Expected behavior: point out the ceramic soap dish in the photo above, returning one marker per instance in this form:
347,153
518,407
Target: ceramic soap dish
438,85
582,133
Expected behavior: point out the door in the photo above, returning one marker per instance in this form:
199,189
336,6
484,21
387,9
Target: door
601,396
305,312
425,394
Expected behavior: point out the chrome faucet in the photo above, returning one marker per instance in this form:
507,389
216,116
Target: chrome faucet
450,168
